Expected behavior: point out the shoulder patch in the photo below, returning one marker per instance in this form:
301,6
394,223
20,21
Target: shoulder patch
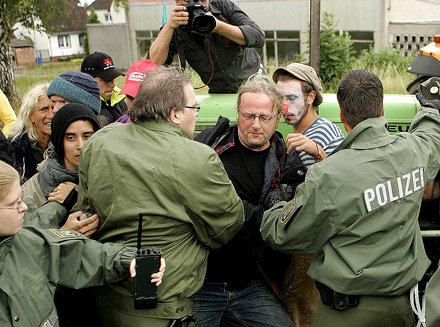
60,233
288,211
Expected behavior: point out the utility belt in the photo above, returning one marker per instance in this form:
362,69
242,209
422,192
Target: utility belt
336,300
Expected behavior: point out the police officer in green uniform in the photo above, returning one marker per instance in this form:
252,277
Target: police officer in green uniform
33,261
357,211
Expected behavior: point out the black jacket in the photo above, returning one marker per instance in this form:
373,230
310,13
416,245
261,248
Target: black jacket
279,168
6,150
24,156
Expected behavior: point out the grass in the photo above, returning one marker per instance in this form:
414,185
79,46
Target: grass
393,79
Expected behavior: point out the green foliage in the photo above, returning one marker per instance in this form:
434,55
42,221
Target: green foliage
93,17
389,65
336,56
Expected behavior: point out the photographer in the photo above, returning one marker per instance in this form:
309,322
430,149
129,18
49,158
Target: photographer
224,57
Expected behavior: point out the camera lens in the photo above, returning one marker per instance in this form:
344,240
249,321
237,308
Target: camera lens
204,23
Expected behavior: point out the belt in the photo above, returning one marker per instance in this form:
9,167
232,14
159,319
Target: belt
336,300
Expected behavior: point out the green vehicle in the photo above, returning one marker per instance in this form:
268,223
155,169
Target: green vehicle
399,111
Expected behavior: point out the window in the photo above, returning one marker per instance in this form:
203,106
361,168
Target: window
144,39
64,41
108,17
82,38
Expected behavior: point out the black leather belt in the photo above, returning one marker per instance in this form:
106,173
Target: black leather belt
336,300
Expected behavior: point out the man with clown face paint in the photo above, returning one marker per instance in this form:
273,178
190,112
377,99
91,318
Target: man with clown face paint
313,138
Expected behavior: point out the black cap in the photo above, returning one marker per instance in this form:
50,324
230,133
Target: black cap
100,64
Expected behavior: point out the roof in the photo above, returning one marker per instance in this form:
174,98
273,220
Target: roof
16,43
101,5
73,18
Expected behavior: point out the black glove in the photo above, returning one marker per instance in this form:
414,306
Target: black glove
279,193
435,104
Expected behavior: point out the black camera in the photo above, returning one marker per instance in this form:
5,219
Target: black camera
147,263
198,21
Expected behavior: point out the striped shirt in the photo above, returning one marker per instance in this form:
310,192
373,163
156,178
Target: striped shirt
326,134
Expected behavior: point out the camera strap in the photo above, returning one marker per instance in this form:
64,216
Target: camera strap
180,50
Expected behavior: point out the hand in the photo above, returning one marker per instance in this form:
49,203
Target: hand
303,143
279,193
86,227
179,16
156,277
60,192
435,104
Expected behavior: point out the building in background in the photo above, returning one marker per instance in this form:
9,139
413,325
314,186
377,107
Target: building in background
23,53
67,40
406,25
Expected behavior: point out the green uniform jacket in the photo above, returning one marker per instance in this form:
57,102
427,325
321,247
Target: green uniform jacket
34,261
433,300
357,210
180,185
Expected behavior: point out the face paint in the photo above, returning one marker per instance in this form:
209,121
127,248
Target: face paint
294,99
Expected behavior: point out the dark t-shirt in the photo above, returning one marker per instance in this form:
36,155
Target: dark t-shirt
234,263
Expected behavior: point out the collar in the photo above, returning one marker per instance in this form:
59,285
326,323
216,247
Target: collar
116,97
369,134
5,247
164,126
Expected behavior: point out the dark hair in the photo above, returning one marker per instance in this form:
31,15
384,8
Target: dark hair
360,96
161,91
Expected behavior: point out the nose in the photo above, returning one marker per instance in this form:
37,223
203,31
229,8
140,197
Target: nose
80,143
111,83
57,106
51,113
256,122
22,207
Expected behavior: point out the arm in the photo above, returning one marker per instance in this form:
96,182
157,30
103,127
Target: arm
211,202
303,225
238,26
303,143
7,114
158,52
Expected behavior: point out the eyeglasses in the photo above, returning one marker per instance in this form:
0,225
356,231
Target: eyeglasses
195,108
20,202
251,117
291,98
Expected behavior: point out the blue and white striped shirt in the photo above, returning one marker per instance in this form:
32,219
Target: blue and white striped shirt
326,134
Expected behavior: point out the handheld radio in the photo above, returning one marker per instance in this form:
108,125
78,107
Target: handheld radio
147,263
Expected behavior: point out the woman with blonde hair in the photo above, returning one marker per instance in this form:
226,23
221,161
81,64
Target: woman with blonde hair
31,133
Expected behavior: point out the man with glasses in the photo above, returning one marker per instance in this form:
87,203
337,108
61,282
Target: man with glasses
245,276
223,58
153,166
313,138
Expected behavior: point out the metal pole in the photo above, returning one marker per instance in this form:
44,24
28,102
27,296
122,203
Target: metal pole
315,23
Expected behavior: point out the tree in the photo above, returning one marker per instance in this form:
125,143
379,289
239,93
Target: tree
93,19
336,55
33,14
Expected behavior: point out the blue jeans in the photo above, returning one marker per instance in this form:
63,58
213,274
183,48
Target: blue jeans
216,304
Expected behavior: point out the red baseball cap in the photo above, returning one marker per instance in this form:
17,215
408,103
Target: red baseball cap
136,75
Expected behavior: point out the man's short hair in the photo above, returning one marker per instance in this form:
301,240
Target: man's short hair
360,96
161,91
261,84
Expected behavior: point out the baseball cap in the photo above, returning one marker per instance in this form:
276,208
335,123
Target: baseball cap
136,75
100,64
303,73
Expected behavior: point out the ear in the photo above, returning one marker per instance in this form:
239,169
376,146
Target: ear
175,116
31,117
344,122
311,97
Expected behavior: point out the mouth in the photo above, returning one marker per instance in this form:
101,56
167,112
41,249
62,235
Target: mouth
48,124
289,116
